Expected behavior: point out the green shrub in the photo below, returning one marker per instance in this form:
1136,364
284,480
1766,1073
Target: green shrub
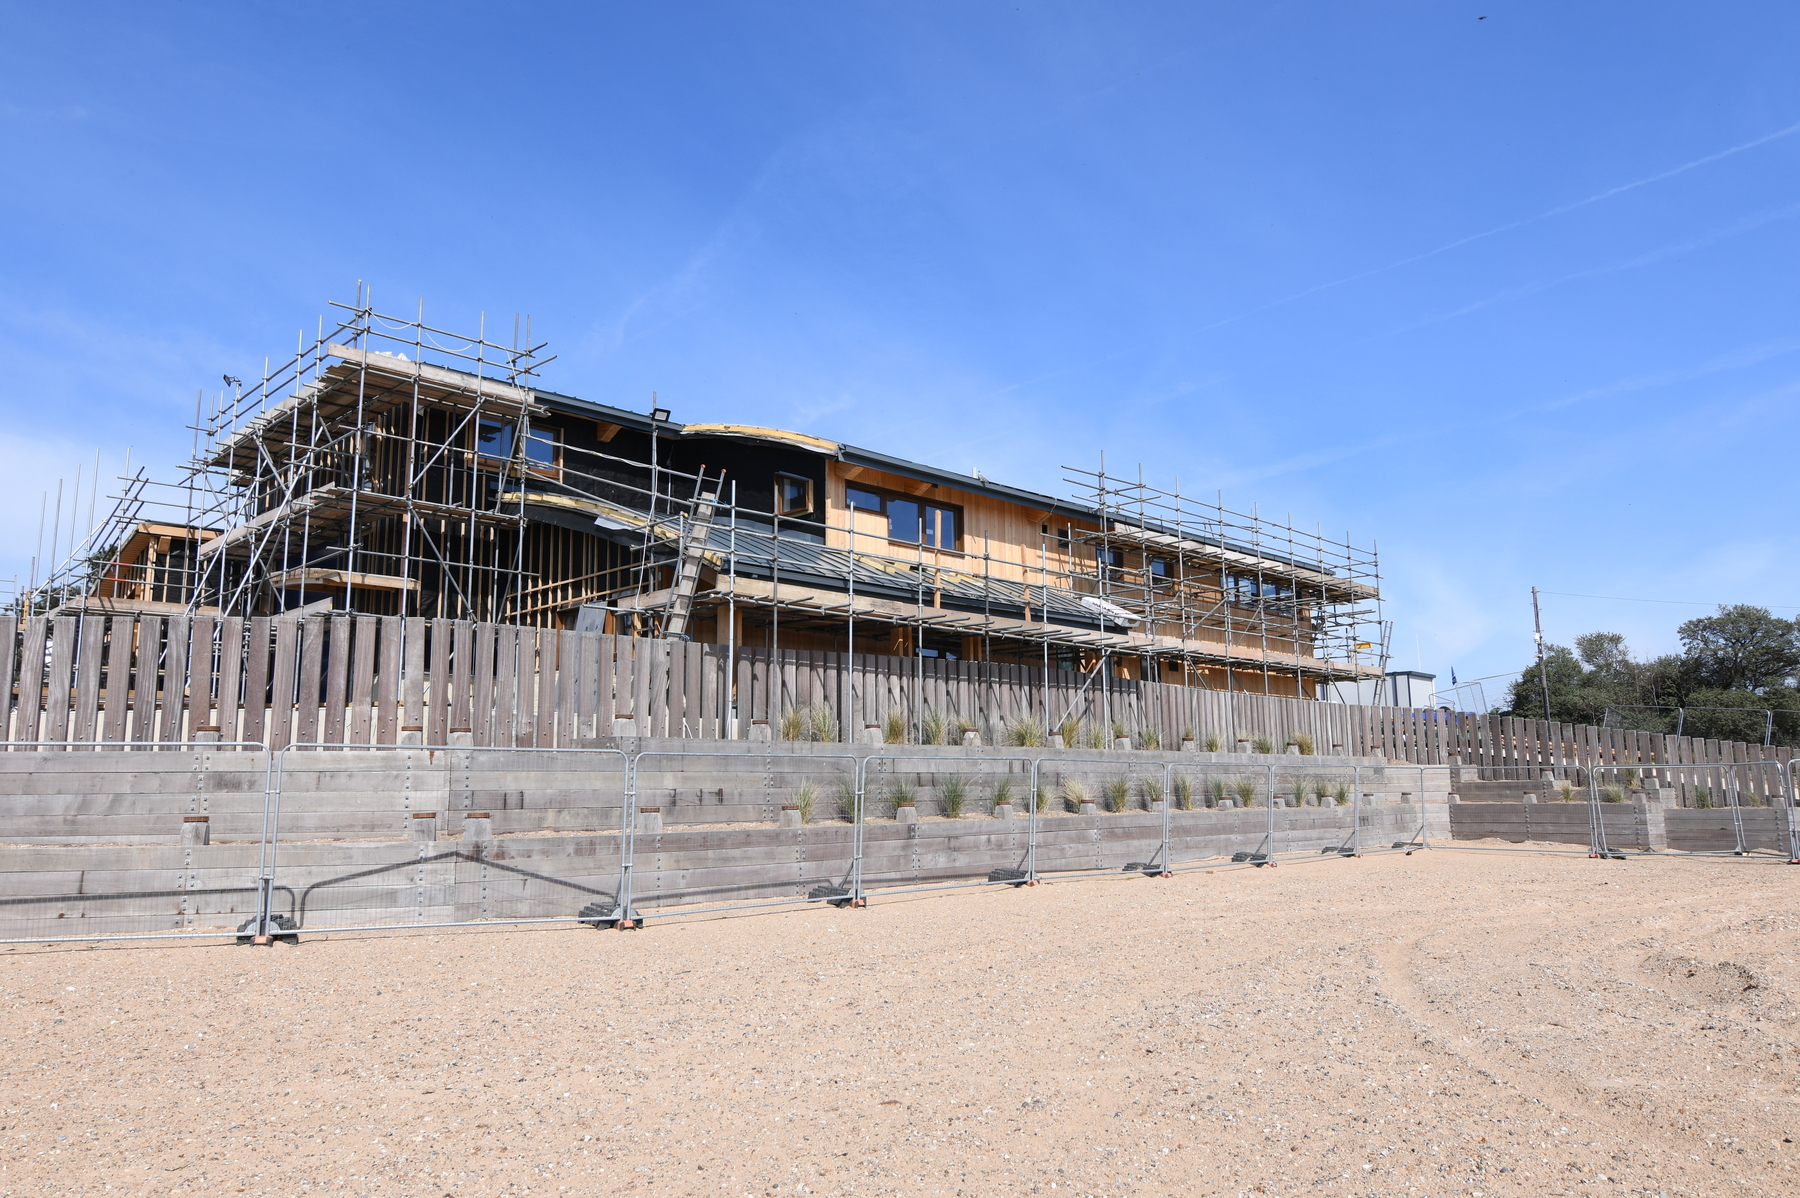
1184,792
1150,790
1304,740
792,724
1212,742
1321,790
893,727
1246,791
1149,738
1702,797
931,728
1612,794
1341,792
1117,792
953,792
1216,790
1567,792
1262,744
1096,738
1070,731
817,722
806,798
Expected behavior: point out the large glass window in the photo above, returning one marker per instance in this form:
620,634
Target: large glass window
861,499
903,520
543,447
494,440
940,526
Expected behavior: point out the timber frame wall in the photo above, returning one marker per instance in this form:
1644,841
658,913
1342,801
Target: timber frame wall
134,679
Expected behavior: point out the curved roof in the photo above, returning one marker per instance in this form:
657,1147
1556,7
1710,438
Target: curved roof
758,433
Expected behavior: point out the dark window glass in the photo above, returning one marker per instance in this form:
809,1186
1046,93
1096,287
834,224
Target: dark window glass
793,495
940,527
540,446
494,440
867,501
1160,567
903,521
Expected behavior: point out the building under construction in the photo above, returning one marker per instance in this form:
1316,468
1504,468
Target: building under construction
392,467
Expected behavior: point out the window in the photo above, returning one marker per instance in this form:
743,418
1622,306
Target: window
913,521
793,495
543,448
1112,561
1162,569
1245,588
494,440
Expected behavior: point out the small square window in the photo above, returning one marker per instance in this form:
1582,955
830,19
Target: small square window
793,495
494,440
543,447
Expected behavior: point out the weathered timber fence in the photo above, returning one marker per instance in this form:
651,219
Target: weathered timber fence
363,679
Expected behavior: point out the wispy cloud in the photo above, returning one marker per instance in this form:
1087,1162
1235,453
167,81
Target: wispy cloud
1509,226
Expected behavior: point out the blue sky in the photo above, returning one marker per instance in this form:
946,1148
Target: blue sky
1512,296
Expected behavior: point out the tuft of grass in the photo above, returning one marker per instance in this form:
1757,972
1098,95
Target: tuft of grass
1341,792
1119,732
1184,792
1117,792
1149,738
1262,744
1026,733
806,798
1566,792
793,724
1040,799
1304,740
1632,778
1002,794
1321,790
1212,742
1187,733
893,727
931,728
1215,791
847,799
1246,791
1612,794
1096,738
899,793
1074,794
953,792
1702,797
1070,731
1150,790
960,728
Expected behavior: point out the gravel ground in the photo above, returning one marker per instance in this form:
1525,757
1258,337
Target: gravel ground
1444,1023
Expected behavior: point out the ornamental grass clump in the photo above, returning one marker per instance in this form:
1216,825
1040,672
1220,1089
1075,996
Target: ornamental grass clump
893,727
1262,744
806,798
1341,793
847,799
1150,790
1212,742
953,792
1184,792
1070,731
1002,794
900,794
1303,741
1149,738
1702,797
793,724
1025,733
1612,794
1074,794
1246,791
1216,790
931,728
961,728
1117,792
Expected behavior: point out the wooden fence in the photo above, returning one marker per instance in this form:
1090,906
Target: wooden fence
363,679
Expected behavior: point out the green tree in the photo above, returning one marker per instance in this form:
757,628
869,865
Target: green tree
1743,648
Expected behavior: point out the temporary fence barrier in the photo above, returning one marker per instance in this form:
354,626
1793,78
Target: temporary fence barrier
120,886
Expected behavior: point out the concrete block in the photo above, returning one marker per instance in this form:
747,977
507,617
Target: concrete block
790,816
1293,750
872,734
1227,805
477,827
1089,807
1190,746
412,735
624,725
760,733
462,738
1003,811
971,739
1243,746
1158,806
1121,742
424,825
649,819
906,813
1056,741
196,829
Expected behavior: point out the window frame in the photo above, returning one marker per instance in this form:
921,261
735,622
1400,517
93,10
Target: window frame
923,502
806,483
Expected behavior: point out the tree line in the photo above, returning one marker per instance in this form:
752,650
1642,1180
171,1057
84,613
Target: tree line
1732,667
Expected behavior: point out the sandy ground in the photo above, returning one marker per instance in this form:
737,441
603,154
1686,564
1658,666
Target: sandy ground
1444,1023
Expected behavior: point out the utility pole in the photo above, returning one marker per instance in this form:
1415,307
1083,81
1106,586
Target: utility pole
1537,621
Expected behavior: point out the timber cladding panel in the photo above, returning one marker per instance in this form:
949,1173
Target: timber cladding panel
364,679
